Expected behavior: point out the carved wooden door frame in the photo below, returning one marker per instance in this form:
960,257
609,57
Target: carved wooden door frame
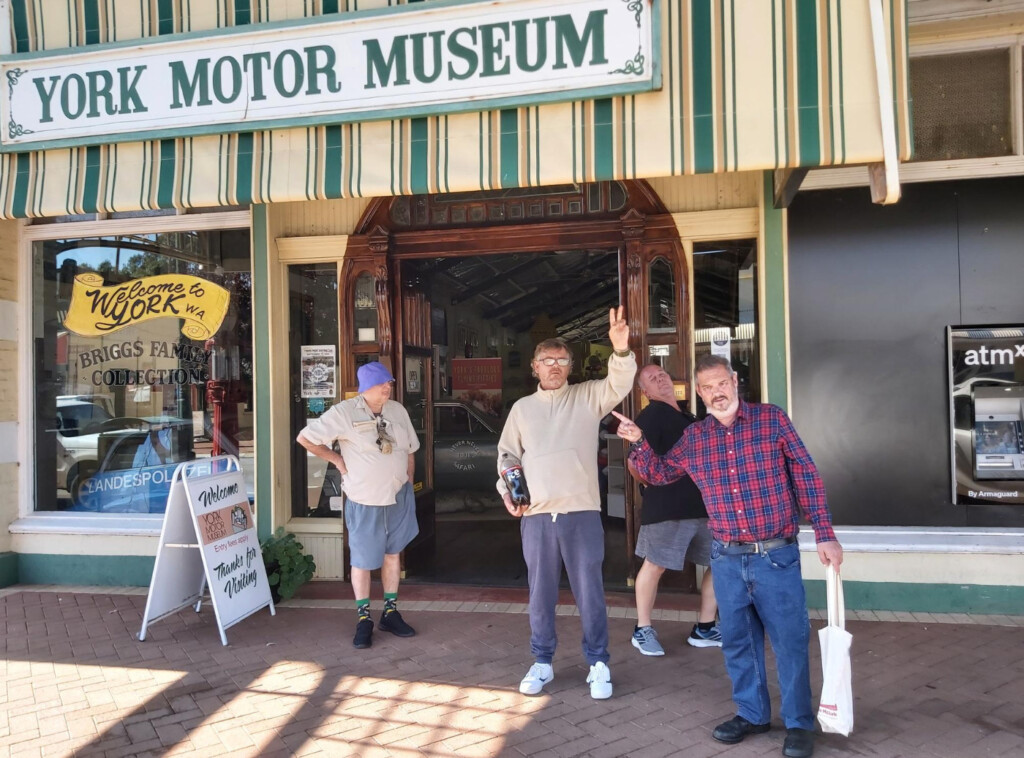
643,232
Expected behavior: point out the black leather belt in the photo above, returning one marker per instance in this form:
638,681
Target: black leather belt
743,548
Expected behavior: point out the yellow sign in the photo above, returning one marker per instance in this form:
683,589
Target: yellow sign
96,310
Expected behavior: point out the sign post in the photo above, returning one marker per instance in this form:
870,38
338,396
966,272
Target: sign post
208,538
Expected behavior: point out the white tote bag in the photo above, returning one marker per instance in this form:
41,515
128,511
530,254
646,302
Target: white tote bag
835,709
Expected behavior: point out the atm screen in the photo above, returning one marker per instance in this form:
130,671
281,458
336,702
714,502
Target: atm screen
997,438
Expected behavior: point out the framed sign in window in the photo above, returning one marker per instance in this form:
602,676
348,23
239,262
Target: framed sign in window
986,404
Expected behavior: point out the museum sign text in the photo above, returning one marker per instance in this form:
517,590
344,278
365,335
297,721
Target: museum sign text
402,61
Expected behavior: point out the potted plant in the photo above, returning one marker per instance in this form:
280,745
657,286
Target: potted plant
288,567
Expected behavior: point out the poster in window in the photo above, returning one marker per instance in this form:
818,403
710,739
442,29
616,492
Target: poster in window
986,372
477,382
721,344
319,371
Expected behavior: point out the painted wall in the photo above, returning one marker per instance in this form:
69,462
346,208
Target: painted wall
708,192
8,388
871,292
316,217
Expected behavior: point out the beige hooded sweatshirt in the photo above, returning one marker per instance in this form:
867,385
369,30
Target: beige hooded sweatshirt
556,434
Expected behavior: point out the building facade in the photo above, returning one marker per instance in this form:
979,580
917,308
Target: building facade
214,216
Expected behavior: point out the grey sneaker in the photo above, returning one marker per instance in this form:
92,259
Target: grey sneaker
645,639
711,638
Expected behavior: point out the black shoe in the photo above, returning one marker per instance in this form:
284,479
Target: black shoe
393,622
364,634
799,743
736,728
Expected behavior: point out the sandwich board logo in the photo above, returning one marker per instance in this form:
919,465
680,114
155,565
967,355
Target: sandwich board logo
239,519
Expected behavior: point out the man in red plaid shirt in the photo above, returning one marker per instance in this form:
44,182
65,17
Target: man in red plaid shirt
756,477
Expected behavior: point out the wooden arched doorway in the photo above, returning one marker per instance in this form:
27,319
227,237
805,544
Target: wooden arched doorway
428,280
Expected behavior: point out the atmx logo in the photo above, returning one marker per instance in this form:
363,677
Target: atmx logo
990,356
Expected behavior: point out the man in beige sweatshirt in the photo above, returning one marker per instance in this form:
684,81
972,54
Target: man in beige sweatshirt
555,433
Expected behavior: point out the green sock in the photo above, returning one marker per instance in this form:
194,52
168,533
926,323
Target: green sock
363,608
390,601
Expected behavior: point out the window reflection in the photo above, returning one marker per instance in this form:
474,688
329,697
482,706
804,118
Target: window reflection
129,381
313,326
365,310
725,309
661,297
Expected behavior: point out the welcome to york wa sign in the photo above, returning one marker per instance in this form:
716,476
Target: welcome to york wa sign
437,57
96,310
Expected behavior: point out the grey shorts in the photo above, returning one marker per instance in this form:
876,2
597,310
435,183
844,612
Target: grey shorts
378,530
670,543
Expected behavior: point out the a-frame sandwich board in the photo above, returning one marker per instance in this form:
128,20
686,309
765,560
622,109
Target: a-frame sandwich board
208,538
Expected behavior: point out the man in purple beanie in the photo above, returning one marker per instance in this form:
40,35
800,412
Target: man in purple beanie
377,441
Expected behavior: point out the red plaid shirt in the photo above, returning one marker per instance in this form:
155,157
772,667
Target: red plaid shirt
756,475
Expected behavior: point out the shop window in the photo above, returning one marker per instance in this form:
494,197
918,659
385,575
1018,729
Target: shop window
725,309
143,359
364,317
670,358
313,349
962,105
661,297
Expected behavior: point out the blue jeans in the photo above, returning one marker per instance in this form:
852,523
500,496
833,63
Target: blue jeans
759,593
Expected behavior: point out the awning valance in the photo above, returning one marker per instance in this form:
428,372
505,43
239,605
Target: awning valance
747,85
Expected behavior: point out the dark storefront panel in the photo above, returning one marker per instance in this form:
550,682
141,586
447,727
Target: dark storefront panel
872,291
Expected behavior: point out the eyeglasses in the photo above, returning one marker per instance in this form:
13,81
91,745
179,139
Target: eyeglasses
552,361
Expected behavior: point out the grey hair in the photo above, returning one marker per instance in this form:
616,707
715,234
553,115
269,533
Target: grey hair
552,343
708,361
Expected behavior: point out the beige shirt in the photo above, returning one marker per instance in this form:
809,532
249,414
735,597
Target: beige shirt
556,435
373,478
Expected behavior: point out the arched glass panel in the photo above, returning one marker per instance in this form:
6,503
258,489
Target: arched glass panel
365,310
662,306
618,196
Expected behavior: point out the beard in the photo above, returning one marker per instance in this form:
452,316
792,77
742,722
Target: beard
726,412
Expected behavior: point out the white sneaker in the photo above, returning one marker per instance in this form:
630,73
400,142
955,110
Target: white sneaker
600,680
535,679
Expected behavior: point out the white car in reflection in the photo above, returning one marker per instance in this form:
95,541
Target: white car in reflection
86,431
79,424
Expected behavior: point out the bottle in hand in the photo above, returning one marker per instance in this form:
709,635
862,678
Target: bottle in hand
515,480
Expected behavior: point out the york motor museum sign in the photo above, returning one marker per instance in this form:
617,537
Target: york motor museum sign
430,58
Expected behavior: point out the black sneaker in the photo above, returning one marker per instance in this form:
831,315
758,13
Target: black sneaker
364,634
393,622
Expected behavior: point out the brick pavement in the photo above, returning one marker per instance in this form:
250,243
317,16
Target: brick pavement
77,682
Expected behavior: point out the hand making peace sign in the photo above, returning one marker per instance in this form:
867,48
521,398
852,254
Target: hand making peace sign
618,329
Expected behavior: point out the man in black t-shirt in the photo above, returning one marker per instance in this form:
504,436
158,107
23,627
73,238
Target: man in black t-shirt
674,521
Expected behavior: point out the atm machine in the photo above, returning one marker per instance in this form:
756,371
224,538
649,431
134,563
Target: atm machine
999,432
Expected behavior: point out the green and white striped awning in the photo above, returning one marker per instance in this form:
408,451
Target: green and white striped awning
747,85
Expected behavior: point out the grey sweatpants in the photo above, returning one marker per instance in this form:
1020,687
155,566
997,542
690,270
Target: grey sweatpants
577,539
